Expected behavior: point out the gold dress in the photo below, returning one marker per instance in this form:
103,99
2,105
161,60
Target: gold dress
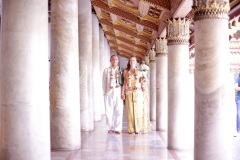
134,101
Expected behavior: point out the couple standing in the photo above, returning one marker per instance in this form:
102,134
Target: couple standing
129,85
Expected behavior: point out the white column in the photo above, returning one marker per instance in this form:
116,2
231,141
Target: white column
85,57
179,110
106,60
212,134
101,67
25,128
64,76
96,72
152,57
161,85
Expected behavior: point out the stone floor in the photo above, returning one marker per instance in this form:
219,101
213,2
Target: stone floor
98,145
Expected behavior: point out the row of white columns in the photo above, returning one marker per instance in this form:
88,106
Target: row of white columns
79,52
209,135
171,96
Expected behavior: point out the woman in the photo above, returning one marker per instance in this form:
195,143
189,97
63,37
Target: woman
133,94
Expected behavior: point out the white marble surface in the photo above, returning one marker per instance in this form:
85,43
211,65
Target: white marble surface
95,69
152,66
64,76
85,57
211,86
25,132
179,110
161,93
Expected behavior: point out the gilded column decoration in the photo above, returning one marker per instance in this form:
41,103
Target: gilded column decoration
210,9
152,55
161,47
178,31
146,59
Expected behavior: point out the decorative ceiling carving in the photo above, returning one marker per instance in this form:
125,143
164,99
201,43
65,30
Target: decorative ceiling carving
135,23
131,26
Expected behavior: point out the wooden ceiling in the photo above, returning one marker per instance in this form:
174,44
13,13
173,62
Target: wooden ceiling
131,26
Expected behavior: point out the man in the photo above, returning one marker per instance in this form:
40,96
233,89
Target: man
112,84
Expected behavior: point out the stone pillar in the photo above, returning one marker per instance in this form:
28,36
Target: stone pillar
146,60
85,57
101,68
106,60
161,85
152,85
95,70
211,138
64,76
178,77
25,128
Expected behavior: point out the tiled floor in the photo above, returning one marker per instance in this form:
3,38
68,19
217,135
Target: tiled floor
98,145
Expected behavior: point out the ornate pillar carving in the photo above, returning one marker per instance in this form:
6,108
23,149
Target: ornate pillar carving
161,84
211,80
152,57
146,59
178,77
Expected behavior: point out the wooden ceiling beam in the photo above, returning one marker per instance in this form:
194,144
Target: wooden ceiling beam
125,47
122,13
125,30
127,54
165,4
125,40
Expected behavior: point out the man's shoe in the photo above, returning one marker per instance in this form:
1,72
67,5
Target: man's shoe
117,132
110,131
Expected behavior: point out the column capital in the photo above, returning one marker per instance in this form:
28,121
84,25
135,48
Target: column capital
178,31
161,47
152,54
146,59
210,9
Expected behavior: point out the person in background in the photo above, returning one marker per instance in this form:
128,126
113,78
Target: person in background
112,84
237,90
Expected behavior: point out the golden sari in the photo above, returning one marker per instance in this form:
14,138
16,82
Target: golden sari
134,102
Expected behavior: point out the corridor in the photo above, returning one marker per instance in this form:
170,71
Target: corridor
98,145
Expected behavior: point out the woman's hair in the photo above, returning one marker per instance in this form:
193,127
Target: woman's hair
128,64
